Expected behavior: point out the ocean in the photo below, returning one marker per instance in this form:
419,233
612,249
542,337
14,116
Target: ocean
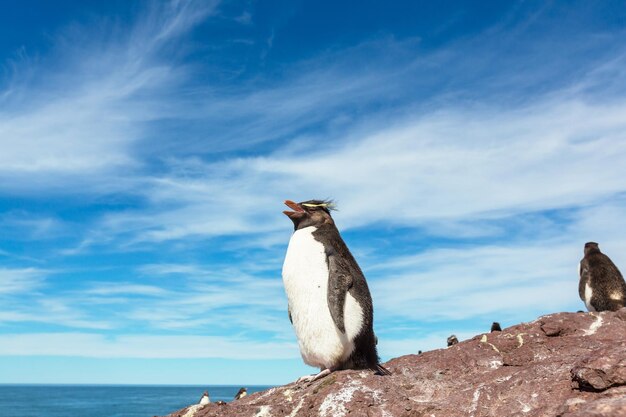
106,400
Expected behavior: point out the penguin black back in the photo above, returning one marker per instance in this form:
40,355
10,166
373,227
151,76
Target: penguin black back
601,284
365,354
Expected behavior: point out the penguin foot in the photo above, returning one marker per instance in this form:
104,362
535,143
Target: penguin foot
381,370
305,378
311,378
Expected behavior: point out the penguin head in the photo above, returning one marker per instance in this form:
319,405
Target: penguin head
591,247
309,213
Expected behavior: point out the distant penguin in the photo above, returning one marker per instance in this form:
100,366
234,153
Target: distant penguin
241,393
329,303
205,398
220,402
495,327
601,285
452,340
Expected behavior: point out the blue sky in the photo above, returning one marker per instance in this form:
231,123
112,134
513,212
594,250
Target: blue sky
147,147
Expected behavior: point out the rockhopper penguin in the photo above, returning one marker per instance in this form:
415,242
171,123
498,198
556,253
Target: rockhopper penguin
241,393
205,398
601,285
329,303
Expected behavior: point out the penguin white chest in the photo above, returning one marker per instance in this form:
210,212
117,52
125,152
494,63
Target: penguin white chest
305,276
588,295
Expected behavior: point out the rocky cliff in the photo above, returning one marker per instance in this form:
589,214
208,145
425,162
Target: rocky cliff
565,364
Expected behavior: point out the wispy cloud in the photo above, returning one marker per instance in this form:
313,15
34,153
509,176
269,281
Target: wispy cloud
53,311
22,225
14,281
466,156
444,166
463,283
194,298
81,124
132,346
223,298
117,288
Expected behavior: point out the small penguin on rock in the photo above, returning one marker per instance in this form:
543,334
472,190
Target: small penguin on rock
601,285
495,327
241,393
205,398
329,303
452,340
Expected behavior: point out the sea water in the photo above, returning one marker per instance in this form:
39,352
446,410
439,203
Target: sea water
106,400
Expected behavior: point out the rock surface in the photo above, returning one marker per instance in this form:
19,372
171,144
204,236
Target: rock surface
565,365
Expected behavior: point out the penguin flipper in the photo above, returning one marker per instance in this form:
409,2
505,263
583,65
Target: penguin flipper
339,282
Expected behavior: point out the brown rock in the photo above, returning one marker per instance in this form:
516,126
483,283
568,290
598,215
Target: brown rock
608,403
601,369
566,364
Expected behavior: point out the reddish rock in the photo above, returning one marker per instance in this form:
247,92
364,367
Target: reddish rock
566,365
601,369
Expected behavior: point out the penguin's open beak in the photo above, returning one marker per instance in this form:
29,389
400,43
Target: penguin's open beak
297,210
